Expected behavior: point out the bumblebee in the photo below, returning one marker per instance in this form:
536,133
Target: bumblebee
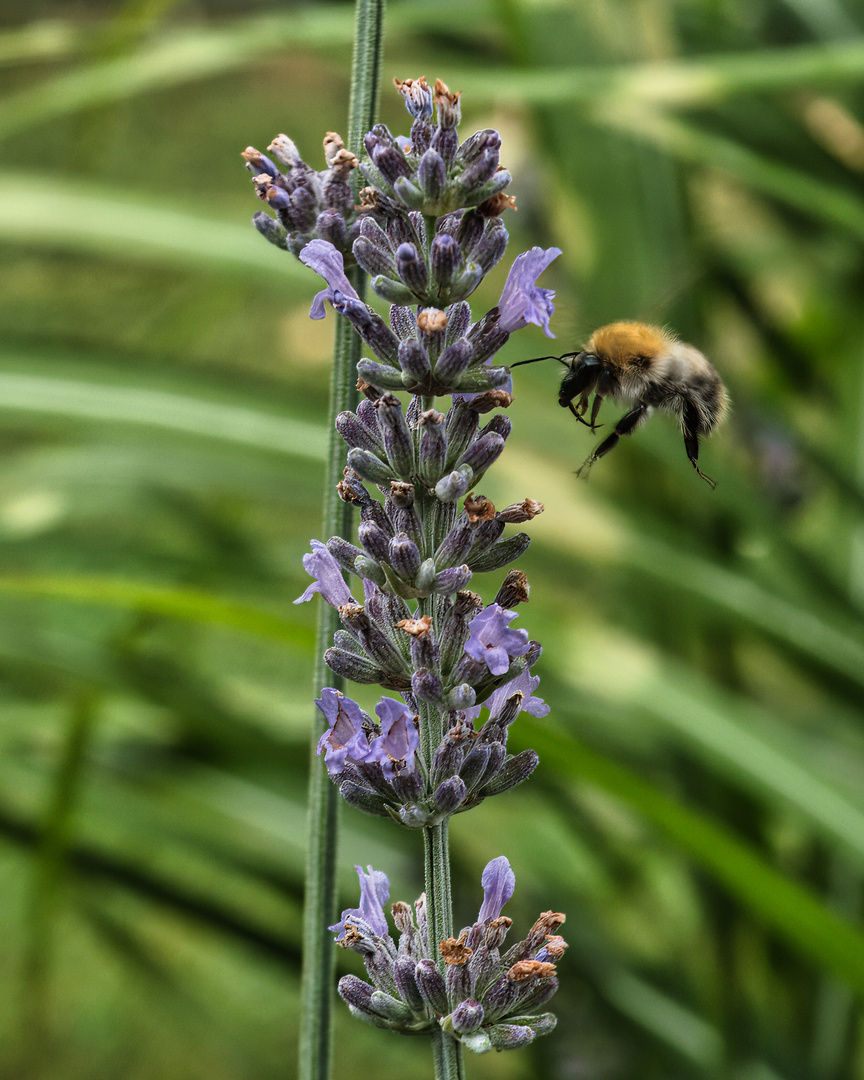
646,368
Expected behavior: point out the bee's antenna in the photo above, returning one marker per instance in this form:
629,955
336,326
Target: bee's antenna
537,359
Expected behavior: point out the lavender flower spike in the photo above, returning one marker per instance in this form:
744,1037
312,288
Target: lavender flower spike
374,894
321,565
499,883
522,300
345,737
325,260
492,642
395,747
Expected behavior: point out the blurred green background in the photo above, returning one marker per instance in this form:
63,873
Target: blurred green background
699,808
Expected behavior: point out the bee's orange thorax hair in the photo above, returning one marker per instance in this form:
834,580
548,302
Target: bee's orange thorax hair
620,343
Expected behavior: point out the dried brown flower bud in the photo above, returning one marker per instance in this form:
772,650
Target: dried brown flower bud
416,627
525,969
489,400
368,390
432,321
454,950
514,590
496,205
516,513
555,945
478,508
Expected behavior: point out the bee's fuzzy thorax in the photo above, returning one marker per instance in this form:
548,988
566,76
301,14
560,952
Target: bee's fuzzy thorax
620,343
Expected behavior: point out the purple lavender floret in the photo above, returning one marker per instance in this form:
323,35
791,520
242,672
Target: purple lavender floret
374,894
321,565
492,642
325,260
345,738
525,683
522,300
395,747
499,883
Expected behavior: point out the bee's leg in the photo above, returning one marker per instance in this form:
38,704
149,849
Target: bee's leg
625,426
577,414
690,424
595,408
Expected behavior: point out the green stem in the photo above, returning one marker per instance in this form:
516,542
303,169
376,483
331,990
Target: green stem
366,70
446,1051
447,1055
320,908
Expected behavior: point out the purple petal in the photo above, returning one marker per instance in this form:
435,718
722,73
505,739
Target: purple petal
321,566
498,883
374,894
492,642
327,261
525,683
399,738
345,737
522,300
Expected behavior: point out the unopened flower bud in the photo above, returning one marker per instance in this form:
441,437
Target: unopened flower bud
414,360
462,424
466,1017
461,697
343,552
330,226
452,580
483,453
398,443
427,686
426,578
431,985
394,292
511,1036
452,487
445,259
369,467
404,556
432,175
381,376
358,435
500,554
454,359
368,568
514,770
374,258
456,544
449,796
409,193
406,982
413,817
271,230
412,269
355,668
475,764
375,541
433,446
490,249
479,378
362,798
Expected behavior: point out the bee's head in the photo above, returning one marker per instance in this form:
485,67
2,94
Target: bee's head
621,344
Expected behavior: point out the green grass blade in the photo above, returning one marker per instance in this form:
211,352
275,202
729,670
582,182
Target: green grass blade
788,908
85,400
177,603
87,218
